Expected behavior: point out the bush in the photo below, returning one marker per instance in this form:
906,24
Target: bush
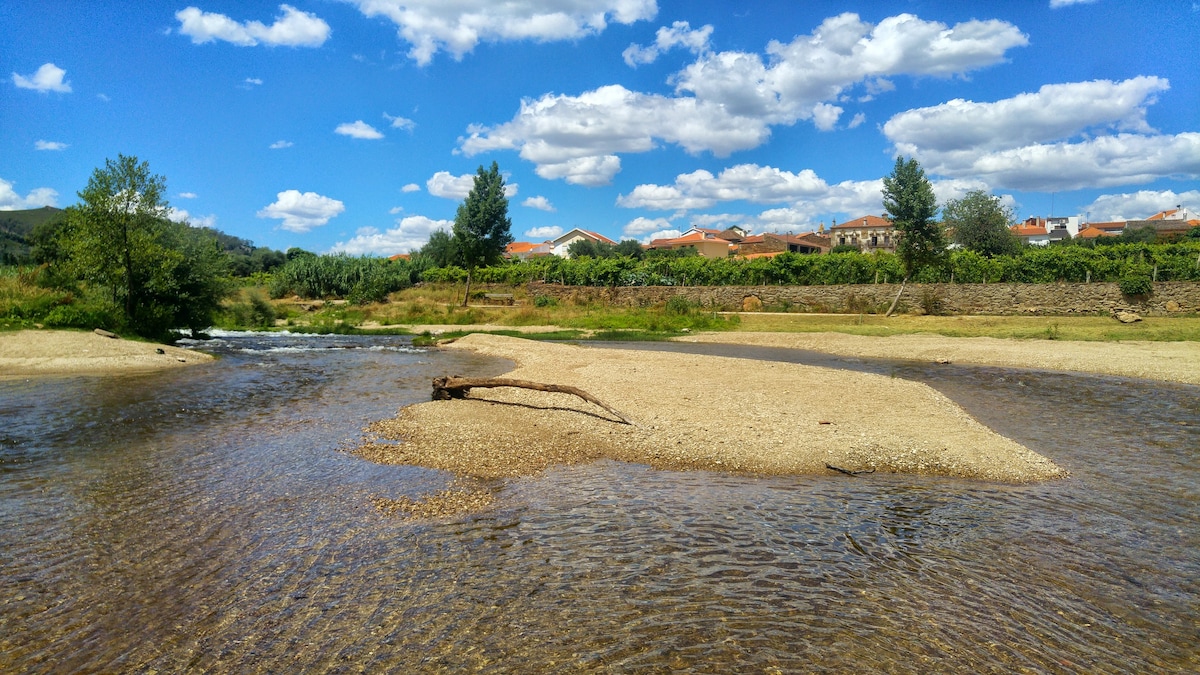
545,301
1136,285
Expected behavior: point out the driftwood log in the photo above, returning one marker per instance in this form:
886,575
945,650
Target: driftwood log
446,388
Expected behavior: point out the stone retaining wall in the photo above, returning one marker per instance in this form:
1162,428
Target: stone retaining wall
996,299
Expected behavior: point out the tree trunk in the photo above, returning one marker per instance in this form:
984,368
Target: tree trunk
467,294
897,299
446,388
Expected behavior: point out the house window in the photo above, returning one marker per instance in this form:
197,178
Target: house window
874,240
841,241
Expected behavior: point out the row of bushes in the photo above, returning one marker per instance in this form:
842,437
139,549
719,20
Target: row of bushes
1154,262
358,280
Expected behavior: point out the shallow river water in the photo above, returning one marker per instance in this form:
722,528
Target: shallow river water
208,520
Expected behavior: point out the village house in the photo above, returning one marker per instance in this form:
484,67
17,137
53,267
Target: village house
770,244
706,243
560,246
524,250
868,233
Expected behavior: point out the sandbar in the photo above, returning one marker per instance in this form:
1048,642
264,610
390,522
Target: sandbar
694,412
30,353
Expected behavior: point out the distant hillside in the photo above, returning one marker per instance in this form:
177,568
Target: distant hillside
15,228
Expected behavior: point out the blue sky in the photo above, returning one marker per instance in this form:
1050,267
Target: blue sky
357,125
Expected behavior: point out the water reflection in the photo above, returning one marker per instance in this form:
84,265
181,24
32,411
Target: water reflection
206,521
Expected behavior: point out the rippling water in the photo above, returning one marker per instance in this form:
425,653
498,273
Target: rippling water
206,520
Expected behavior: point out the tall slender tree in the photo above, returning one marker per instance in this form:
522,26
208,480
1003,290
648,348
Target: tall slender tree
909,201
482,226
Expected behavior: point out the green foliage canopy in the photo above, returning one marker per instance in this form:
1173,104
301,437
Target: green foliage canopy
908,199
980,222
481,225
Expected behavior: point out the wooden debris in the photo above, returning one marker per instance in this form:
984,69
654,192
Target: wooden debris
446,388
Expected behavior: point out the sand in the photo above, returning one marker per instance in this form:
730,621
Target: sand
696,412
55,352
1166,361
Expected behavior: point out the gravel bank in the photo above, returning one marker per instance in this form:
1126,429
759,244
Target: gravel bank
1166,361
696,412
60,352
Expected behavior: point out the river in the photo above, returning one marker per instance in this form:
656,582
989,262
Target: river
209,520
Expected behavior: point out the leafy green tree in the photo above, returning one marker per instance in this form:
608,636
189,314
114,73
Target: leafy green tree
630,248
908,199
482,226
980,222
441,249
161,274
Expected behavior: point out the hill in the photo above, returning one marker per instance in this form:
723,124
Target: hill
15,228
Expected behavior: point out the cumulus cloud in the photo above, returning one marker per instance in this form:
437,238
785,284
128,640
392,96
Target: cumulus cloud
400,122
301,212
641,227
1140,204
11,201
540,203
182,216
444,184
744,182
50,145
680,34
47,78
292,28
544,233
1050,140
431,26
410,234
728,101
411,187
187,195
279,145
358,129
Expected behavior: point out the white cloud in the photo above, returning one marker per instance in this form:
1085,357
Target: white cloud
1055,4
253,82
103,97
396,210
540,203
279,145
301,212
410,234
1048,141
47,78
445,185
400,122
743,182
50,145
182,216
188,195
292,28
11,201
411,187
546,233
643,226
857,120
431,26
680,34
1140,204
1055,111
661,234
728,101
358,129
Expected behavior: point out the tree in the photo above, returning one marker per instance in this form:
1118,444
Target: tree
630,248
980,223
481,226
908,199
440,249
161,274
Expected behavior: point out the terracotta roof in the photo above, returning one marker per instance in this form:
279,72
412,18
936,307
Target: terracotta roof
1115,226
690,238
1028,230
520,247
1162,215
600,237
401,256
864,221
1093,232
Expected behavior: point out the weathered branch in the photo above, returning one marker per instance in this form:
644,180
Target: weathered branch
848,472
446,388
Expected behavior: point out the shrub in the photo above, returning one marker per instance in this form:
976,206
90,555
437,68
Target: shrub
1136,285
545,301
